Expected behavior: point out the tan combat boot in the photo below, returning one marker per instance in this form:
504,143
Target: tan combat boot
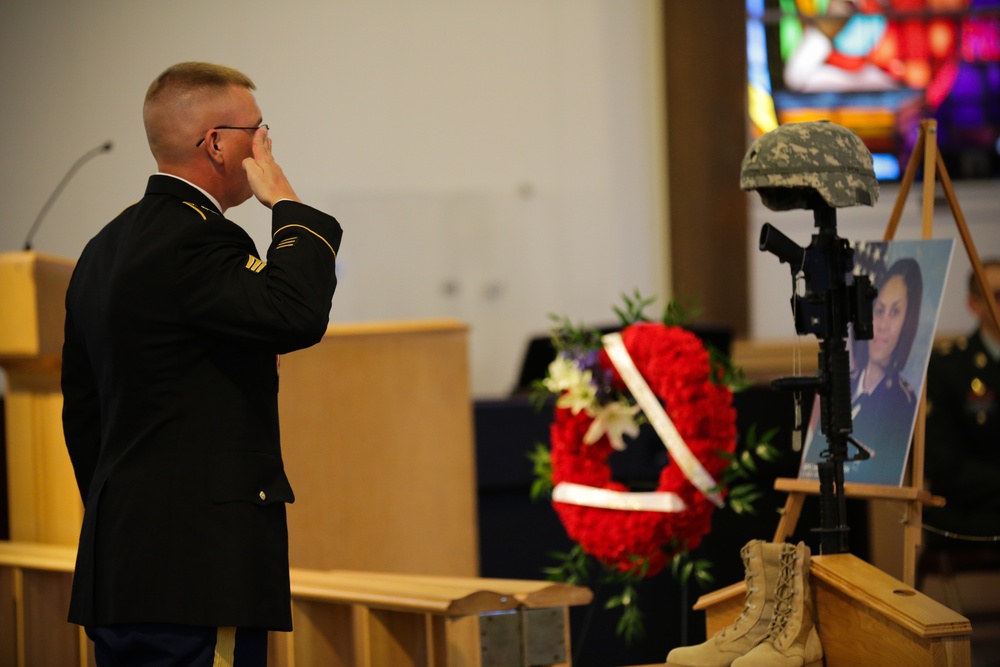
761,562
792,640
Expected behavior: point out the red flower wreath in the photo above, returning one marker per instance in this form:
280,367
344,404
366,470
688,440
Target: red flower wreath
676,367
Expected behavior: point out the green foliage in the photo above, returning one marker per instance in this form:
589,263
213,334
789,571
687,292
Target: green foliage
541,460
678,314
573,567
743,465
683,567
634,309
724,371
630,625
674,313
567,336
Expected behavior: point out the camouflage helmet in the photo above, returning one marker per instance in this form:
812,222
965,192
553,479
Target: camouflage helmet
788,164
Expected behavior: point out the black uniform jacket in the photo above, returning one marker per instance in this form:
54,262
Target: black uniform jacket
170,411
963,440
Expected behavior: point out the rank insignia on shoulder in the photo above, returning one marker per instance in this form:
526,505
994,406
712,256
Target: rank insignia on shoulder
287,243
202,210
196,209
255,264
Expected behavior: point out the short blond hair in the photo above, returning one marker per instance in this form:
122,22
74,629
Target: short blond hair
175,88
194,75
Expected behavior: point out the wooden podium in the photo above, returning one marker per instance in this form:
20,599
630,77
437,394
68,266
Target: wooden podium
377,438
44,502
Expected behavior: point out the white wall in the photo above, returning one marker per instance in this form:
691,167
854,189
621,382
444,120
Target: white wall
494,162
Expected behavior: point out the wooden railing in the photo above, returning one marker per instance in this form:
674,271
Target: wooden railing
341,618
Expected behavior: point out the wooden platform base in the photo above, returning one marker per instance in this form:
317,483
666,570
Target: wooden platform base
865,617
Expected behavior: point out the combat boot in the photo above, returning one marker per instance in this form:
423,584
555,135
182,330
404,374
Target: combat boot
792,640
761,564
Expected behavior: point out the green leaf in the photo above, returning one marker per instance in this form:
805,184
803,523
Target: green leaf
634,309
541,459
573,567
743,490
704,577
680,314
630,626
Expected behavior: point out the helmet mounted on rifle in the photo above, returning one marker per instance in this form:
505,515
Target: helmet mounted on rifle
791,165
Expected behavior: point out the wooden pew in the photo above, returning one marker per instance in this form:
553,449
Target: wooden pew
341,618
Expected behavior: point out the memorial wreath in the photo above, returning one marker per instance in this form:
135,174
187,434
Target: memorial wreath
607,386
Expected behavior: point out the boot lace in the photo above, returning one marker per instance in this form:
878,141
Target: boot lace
749,577
784,592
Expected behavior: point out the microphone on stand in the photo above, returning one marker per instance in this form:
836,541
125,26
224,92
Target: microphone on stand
103,148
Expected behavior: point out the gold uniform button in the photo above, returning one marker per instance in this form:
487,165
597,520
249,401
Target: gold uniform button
263,496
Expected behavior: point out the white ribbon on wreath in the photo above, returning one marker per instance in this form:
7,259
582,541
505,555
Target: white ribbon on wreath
680,454
591,496
661,422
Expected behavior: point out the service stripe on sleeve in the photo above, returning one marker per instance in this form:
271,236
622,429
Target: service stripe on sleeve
313,233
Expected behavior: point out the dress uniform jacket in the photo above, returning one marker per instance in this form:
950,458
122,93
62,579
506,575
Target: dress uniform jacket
963,439
881,421
170,412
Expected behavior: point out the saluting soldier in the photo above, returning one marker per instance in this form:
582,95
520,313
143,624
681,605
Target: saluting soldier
173,324
963,429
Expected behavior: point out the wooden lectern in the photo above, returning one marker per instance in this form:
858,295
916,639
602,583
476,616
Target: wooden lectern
44,501
377,438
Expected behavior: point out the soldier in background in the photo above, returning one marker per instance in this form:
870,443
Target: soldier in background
963,430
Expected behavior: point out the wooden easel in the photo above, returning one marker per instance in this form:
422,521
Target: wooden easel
915,496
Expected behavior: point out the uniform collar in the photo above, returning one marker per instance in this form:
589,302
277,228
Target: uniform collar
169,184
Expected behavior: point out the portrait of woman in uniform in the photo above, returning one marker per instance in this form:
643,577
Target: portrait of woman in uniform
888,370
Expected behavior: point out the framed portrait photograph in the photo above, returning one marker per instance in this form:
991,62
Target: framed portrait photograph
888,371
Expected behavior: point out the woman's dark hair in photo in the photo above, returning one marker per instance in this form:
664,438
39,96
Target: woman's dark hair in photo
909,270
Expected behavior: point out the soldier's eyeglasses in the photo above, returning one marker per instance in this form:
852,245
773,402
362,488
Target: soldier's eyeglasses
233,127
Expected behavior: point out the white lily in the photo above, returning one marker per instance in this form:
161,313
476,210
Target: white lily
563,374
575,387
616,420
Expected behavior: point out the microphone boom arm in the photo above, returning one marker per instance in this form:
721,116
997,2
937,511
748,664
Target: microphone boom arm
93,152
